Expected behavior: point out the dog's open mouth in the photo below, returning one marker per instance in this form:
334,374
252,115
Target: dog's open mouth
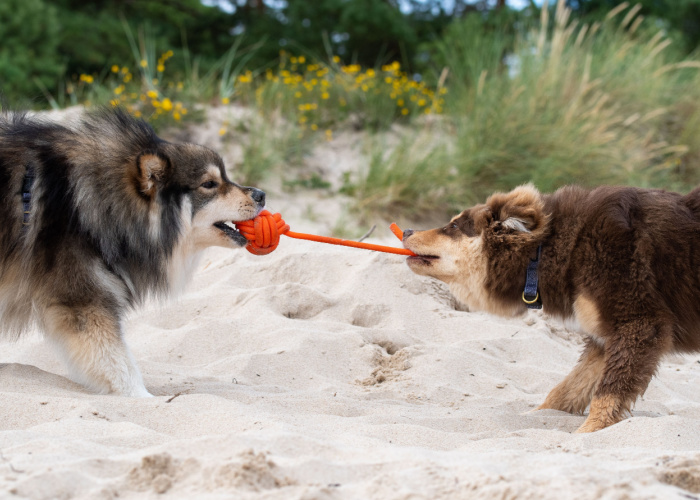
422,259
230,230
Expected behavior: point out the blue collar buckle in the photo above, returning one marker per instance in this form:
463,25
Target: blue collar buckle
531,294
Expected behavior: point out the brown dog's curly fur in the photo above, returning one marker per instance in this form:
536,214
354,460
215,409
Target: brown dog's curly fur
622,262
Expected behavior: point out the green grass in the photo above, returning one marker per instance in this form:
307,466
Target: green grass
612,102
407,179
609,103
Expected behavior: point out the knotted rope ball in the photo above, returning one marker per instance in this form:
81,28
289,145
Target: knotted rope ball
263,232
263,235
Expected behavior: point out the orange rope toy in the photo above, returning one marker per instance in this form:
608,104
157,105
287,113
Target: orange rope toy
263,235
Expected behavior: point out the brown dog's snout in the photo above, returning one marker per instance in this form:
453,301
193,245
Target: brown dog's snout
407,233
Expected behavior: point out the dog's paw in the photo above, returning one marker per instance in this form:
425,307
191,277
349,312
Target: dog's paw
593,425
135,392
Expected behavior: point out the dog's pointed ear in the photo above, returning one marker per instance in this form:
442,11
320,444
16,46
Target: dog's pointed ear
519,211
149,172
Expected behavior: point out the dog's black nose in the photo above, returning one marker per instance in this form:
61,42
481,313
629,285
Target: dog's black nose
407,233
258,196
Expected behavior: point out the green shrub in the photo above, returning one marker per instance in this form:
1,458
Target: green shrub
29,37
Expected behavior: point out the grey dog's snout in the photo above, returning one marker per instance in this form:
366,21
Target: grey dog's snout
407,233
258,196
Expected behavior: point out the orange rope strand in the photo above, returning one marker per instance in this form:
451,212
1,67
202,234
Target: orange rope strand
263,235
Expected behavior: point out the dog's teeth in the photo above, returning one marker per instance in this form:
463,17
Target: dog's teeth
230,224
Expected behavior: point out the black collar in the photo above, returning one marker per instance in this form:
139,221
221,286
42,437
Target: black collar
27,193
531,295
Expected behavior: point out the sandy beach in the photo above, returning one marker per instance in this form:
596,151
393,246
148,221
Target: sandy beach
321,372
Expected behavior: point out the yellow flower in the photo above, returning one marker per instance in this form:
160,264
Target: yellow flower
179,85
177,117
293,60
325,95
115,69
167,104
87,78
114,102
365,88
302,119
399,102
160,68
404,111
222,131
119,89
336,59
421,102
329,135
225,100
155,103
137,114
301,59
297,94
388,79
144,63
127,78
370,72
152,94
314,127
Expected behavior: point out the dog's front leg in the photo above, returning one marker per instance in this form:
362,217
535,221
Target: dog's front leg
574,393
90,339
631,357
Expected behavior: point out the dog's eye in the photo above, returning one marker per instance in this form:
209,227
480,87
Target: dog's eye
453,225
209,185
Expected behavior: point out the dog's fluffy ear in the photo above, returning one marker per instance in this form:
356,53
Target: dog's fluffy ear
519,211
149,173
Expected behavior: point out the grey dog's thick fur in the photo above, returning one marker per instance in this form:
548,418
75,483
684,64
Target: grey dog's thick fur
116,215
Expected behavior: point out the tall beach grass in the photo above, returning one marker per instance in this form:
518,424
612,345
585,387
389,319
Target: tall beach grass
553,102
604,103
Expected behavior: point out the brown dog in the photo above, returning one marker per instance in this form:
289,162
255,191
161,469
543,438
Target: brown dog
622,262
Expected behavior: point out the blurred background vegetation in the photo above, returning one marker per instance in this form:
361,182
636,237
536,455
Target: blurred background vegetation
457,97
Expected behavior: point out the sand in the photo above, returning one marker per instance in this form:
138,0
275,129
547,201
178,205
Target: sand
320,372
